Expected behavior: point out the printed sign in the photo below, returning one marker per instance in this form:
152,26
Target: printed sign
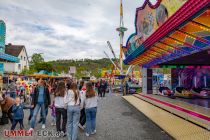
72,70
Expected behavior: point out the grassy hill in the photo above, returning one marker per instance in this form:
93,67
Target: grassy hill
83,66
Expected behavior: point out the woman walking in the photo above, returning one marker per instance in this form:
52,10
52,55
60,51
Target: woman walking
60,109
73,110
90,102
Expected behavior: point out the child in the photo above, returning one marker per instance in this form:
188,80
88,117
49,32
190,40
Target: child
18,113
52,107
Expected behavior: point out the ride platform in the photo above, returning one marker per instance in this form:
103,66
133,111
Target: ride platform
192,112
173,116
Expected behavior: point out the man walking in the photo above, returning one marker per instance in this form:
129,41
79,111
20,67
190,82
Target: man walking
41,100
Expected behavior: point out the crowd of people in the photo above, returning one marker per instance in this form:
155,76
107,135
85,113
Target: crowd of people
73,105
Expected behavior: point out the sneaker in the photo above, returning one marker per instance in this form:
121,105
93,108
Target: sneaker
80,126
94,132
31,129
52,124
63,134
87,134
43,126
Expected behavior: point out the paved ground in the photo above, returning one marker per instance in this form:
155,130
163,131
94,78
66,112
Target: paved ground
116,120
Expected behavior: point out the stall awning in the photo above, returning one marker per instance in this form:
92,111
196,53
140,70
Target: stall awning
10,58
185,33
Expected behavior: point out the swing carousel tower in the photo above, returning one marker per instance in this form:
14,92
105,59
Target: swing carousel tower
121,29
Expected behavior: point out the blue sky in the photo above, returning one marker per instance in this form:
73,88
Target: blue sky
66,29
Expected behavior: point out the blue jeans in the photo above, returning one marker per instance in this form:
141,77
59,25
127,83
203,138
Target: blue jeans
36,110
73,114
90,119
46,112
14,123
31,114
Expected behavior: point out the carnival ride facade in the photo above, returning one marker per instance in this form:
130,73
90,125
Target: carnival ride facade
175,34
163,37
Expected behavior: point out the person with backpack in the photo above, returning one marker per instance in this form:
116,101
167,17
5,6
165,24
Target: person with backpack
90,102
60,108
72,100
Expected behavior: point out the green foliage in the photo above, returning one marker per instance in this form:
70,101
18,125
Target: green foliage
37,63
43,66
26,71
83,66
36,58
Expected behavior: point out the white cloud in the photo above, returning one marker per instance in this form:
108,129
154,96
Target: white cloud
68,28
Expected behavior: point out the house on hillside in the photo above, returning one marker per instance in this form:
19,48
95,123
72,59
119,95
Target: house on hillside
20,52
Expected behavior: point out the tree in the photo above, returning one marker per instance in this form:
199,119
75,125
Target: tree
36,58
44,66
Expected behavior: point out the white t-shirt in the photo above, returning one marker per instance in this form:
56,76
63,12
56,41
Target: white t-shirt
89,102
69,98
59,102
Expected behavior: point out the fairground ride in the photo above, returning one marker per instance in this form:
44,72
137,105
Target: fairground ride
121,29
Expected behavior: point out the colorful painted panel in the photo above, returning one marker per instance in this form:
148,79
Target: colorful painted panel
2,36
148,20
188,32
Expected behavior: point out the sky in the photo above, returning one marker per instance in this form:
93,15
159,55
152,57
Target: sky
67,29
